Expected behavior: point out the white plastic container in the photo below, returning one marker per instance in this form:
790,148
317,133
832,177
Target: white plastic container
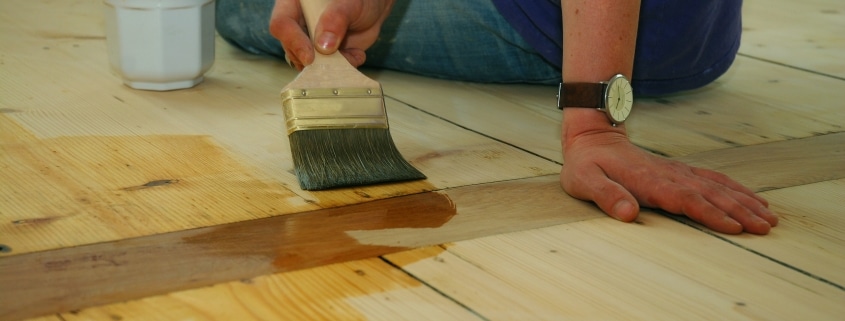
160,44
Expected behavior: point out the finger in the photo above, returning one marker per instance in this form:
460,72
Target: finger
356,57
682,199
293,61
737,201
592,183
702,211
758,209
331,29
730,183
754,217
733,206
287,25
766,214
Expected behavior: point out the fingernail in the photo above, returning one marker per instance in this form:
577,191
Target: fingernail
327,41
772,218
301,56
620,209
287,59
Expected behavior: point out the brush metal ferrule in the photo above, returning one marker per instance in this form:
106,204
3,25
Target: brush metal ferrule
333,108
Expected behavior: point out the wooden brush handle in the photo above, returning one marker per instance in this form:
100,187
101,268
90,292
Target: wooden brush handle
328,71
312,10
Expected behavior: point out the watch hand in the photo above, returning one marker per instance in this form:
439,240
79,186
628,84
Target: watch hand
618,96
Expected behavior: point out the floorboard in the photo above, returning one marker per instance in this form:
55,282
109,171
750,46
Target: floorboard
361,290
811,234
655,269
804,35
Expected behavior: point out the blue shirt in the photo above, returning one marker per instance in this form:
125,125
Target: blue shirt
681,45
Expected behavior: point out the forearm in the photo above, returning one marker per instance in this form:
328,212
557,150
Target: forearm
599,38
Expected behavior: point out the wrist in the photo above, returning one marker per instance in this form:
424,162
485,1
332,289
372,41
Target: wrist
581,121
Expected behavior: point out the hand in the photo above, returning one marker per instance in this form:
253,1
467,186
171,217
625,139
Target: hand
605,167
350,26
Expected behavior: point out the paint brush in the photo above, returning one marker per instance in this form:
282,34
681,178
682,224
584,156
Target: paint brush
337,123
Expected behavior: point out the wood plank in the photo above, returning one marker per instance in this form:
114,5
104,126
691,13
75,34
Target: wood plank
811,233
778,165
521,115
656,269
359,290
490,209
755,103
790,32
46,318
803,181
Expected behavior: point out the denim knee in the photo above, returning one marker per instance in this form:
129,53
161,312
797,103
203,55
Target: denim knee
245,24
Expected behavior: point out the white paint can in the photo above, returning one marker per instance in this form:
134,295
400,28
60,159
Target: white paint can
160,44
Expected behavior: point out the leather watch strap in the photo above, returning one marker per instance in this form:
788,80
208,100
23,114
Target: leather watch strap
581,94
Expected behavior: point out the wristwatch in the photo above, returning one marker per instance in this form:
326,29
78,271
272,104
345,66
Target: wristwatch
614,97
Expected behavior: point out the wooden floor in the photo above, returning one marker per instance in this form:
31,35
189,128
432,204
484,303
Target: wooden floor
118,204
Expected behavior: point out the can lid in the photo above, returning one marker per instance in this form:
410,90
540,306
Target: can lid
157,4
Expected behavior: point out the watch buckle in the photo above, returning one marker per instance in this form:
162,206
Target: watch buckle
559,87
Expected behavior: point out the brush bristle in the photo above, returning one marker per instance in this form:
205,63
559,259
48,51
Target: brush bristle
330,158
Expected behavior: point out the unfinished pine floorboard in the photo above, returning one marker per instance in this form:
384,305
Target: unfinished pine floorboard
811,233
805,34
600,269
368,289
755,103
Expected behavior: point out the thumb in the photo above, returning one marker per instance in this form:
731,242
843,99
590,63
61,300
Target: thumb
331,29
593,184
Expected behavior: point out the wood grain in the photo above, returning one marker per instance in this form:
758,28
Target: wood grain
755,103
89,275
83,276
778,165
811,233
803,34
656,269
367,289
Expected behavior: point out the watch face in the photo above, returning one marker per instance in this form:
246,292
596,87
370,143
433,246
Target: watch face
619,98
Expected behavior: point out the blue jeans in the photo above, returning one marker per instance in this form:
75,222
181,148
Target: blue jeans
464,40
